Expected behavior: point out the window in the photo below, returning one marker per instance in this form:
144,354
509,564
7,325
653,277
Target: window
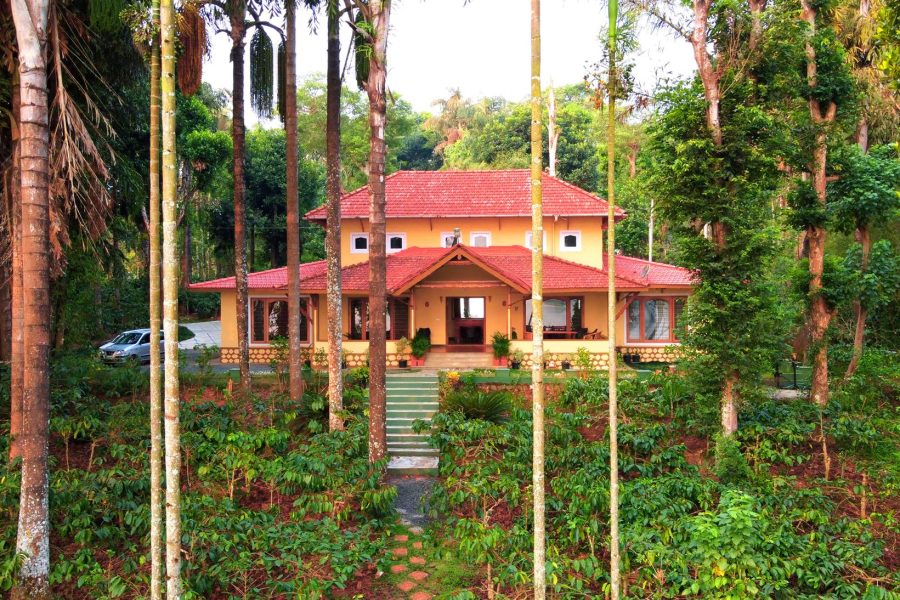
467,308
528,238
396,318
480,239
654,319
569,241
145,339
359,243
448,238
396,242
563,318
269,320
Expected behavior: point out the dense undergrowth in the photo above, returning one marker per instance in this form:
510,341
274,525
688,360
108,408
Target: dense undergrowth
270,507
751,517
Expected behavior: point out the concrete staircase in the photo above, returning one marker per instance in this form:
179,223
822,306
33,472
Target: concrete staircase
410,396
459,361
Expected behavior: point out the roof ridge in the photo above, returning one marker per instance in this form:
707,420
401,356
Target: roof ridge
651,262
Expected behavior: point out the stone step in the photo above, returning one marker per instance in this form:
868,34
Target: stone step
395,437
412,451
411,415
406,399
413,465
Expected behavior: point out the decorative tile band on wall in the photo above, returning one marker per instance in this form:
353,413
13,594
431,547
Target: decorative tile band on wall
652,353
267,355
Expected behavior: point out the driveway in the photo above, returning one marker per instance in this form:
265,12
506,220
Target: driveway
206,333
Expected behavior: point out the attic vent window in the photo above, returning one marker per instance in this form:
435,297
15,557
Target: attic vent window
480,239
396,242
359,243
570,241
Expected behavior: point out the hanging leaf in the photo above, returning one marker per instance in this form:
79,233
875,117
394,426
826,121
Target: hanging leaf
262,78
104,14
282,80
193,42
362,50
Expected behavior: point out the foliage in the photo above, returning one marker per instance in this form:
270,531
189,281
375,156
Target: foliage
489,406
268,509
420,345
500,345
731,466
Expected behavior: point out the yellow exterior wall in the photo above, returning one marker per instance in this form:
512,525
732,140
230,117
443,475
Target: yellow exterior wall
431,310
505,231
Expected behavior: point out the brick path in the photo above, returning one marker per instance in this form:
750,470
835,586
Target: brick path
411,566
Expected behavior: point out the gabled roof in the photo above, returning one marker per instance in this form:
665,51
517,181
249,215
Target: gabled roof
509,264
501,193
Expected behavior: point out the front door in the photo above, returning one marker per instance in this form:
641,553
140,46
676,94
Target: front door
465,321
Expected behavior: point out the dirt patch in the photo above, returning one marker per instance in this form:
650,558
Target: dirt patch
696,449
594,431
79,454
551,390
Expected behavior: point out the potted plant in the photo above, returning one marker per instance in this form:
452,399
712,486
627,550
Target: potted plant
419,346
344,355
516,358
500,345
402,352
566,362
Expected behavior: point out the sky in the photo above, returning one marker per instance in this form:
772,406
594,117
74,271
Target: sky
482,48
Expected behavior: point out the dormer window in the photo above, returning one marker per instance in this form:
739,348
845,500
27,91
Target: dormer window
396,242
448,238
480,239
359,243
570,241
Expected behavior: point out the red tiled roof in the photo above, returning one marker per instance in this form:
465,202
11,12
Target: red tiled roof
270,279
511,264
502,193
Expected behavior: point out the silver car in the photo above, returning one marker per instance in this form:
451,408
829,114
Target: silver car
133,345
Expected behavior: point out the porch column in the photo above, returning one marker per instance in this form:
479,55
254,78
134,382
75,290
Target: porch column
412,313
508,313
314,302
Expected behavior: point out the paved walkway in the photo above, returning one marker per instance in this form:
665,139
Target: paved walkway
409,566
206,333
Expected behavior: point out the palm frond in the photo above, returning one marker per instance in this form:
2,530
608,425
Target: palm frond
261,73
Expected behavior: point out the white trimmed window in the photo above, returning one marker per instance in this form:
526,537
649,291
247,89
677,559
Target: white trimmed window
396,242
447,239
528,238
359,243
480,239
569,241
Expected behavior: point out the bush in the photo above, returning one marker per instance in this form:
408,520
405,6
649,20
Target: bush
500,345
731,466
489,406
420,345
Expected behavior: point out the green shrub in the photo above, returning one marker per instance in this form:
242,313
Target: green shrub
489,406
731,466
500,345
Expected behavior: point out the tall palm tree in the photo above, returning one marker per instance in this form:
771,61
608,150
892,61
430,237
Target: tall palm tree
537,307
170,302
612,81
156,438
376,14
295,360
333,218
31,18
17,323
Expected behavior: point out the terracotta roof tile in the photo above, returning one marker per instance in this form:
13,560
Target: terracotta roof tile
512,263
501,193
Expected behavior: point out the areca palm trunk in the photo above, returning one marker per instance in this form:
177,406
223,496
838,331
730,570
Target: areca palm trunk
237,18
378,17
33,536
295,358
537,307
17,323
333,223
611,308
170,304
156,440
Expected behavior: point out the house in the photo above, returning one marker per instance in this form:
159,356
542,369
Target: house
459,268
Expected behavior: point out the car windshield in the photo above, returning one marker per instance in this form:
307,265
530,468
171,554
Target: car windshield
127,338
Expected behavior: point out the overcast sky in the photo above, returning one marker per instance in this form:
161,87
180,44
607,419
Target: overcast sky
483,48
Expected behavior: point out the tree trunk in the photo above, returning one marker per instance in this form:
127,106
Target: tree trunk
170,304
293,208
186,254
238,29
614,544
378,17
333,224
820,313
156,396
708,73
865,240
33,538
537,309
17,323
729,408
552,134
